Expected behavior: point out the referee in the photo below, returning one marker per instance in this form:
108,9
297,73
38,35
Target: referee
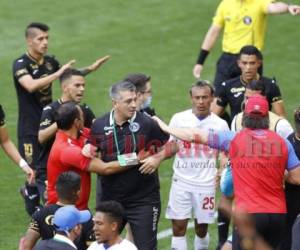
120,135
243,23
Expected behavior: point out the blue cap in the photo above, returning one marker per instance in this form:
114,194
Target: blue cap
67,217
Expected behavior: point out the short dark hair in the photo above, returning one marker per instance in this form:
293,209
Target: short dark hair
66,114
35,25
68,73
255,122
139,80
202,84
114,211
251,50
118,87
257,85
67,185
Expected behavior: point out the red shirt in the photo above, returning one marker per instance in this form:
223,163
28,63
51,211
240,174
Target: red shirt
65,155
259,159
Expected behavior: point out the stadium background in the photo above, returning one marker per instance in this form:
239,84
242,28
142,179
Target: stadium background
160,38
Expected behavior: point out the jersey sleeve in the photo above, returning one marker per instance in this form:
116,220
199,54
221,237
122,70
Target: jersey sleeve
284,128
73,157
275,94
220,139
35,222
218,18
2,116
47,118
221,96
264,5
293,161
89,115
20,69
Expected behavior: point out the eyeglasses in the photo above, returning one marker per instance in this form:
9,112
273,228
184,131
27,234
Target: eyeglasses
147,92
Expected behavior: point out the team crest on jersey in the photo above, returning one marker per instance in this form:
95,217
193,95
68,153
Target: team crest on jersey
247,20
48,66
134,127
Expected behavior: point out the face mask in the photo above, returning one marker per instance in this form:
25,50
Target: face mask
147,102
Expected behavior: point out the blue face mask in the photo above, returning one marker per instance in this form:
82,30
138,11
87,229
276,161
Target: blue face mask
147,103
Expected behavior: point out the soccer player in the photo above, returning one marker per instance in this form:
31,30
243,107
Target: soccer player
259,158
108,225
195,169
277,123
231,92
68,190
121,135
33,75
11,150
244,23
68,222
142,83
72,84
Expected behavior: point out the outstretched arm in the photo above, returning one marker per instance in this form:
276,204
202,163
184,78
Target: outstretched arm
185,134
281,7
95,65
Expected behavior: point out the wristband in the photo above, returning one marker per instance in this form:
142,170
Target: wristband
23,163
202,56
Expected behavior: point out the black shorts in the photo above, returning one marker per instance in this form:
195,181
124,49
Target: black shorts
29,149
227,68
143,220
295,234
269,227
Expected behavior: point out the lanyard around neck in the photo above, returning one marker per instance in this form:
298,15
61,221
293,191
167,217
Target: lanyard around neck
116,138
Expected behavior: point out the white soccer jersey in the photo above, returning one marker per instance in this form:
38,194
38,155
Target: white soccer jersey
196,163
123,245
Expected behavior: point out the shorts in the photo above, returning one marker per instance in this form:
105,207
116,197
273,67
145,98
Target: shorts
29,149
270,227
183,201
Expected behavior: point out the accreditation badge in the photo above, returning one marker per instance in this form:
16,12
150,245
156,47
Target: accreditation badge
128,159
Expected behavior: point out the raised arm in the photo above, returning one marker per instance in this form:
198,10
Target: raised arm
32,85
185,134
281,8
94,66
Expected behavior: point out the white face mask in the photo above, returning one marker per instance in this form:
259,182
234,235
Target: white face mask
147,102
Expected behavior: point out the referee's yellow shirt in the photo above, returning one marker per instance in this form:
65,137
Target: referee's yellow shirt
244,23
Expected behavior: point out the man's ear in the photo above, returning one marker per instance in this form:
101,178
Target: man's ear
260,62
114,226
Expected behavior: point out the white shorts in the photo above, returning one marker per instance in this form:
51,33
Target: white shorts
184,199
